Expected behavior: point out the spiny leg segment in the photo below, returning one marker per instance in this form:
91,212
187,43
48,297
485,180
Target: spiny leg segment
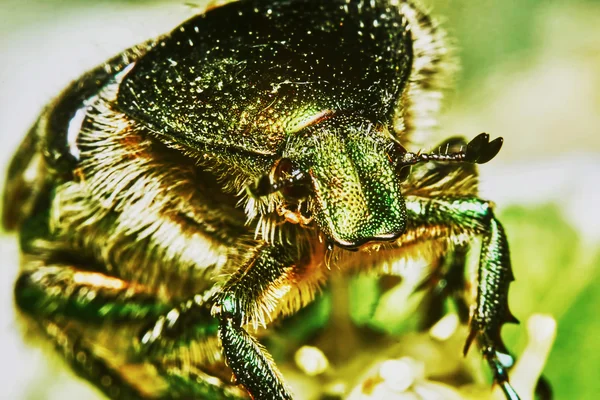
472,216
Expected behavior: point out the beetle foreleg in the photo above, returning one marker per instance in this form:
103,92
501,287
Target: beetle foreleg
491,311
250,295
254,289
461,218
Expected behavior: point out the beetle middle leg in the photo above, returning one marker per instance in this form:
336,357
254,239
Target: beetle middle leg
446,282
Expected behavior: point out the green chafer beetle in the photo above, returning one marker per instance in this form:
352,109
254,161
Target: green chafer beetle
200,185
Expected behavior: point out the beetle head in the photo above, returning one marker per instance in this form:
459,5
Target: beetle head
346,168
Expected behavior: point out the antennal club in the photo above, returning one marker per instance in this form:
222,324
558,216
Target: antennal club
478,151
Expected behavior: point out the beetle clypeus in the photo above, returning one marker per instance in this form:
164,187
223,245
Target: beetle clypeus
199,185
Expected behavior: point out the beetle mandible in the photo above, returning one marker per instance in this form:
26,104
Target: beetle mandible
191,189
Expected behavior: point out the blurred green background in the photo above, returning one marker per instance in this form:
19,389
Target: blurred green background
530,72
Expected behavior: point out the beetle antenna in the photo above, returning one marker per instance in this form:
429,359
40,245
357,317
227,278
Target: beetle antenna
478,151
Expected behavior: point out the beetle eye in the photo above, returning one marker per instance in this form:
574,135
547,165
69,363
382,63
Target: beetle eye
290,180
402,170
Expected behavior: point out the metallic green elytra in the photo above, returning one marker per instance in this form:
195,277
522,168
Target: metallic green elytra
177,199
